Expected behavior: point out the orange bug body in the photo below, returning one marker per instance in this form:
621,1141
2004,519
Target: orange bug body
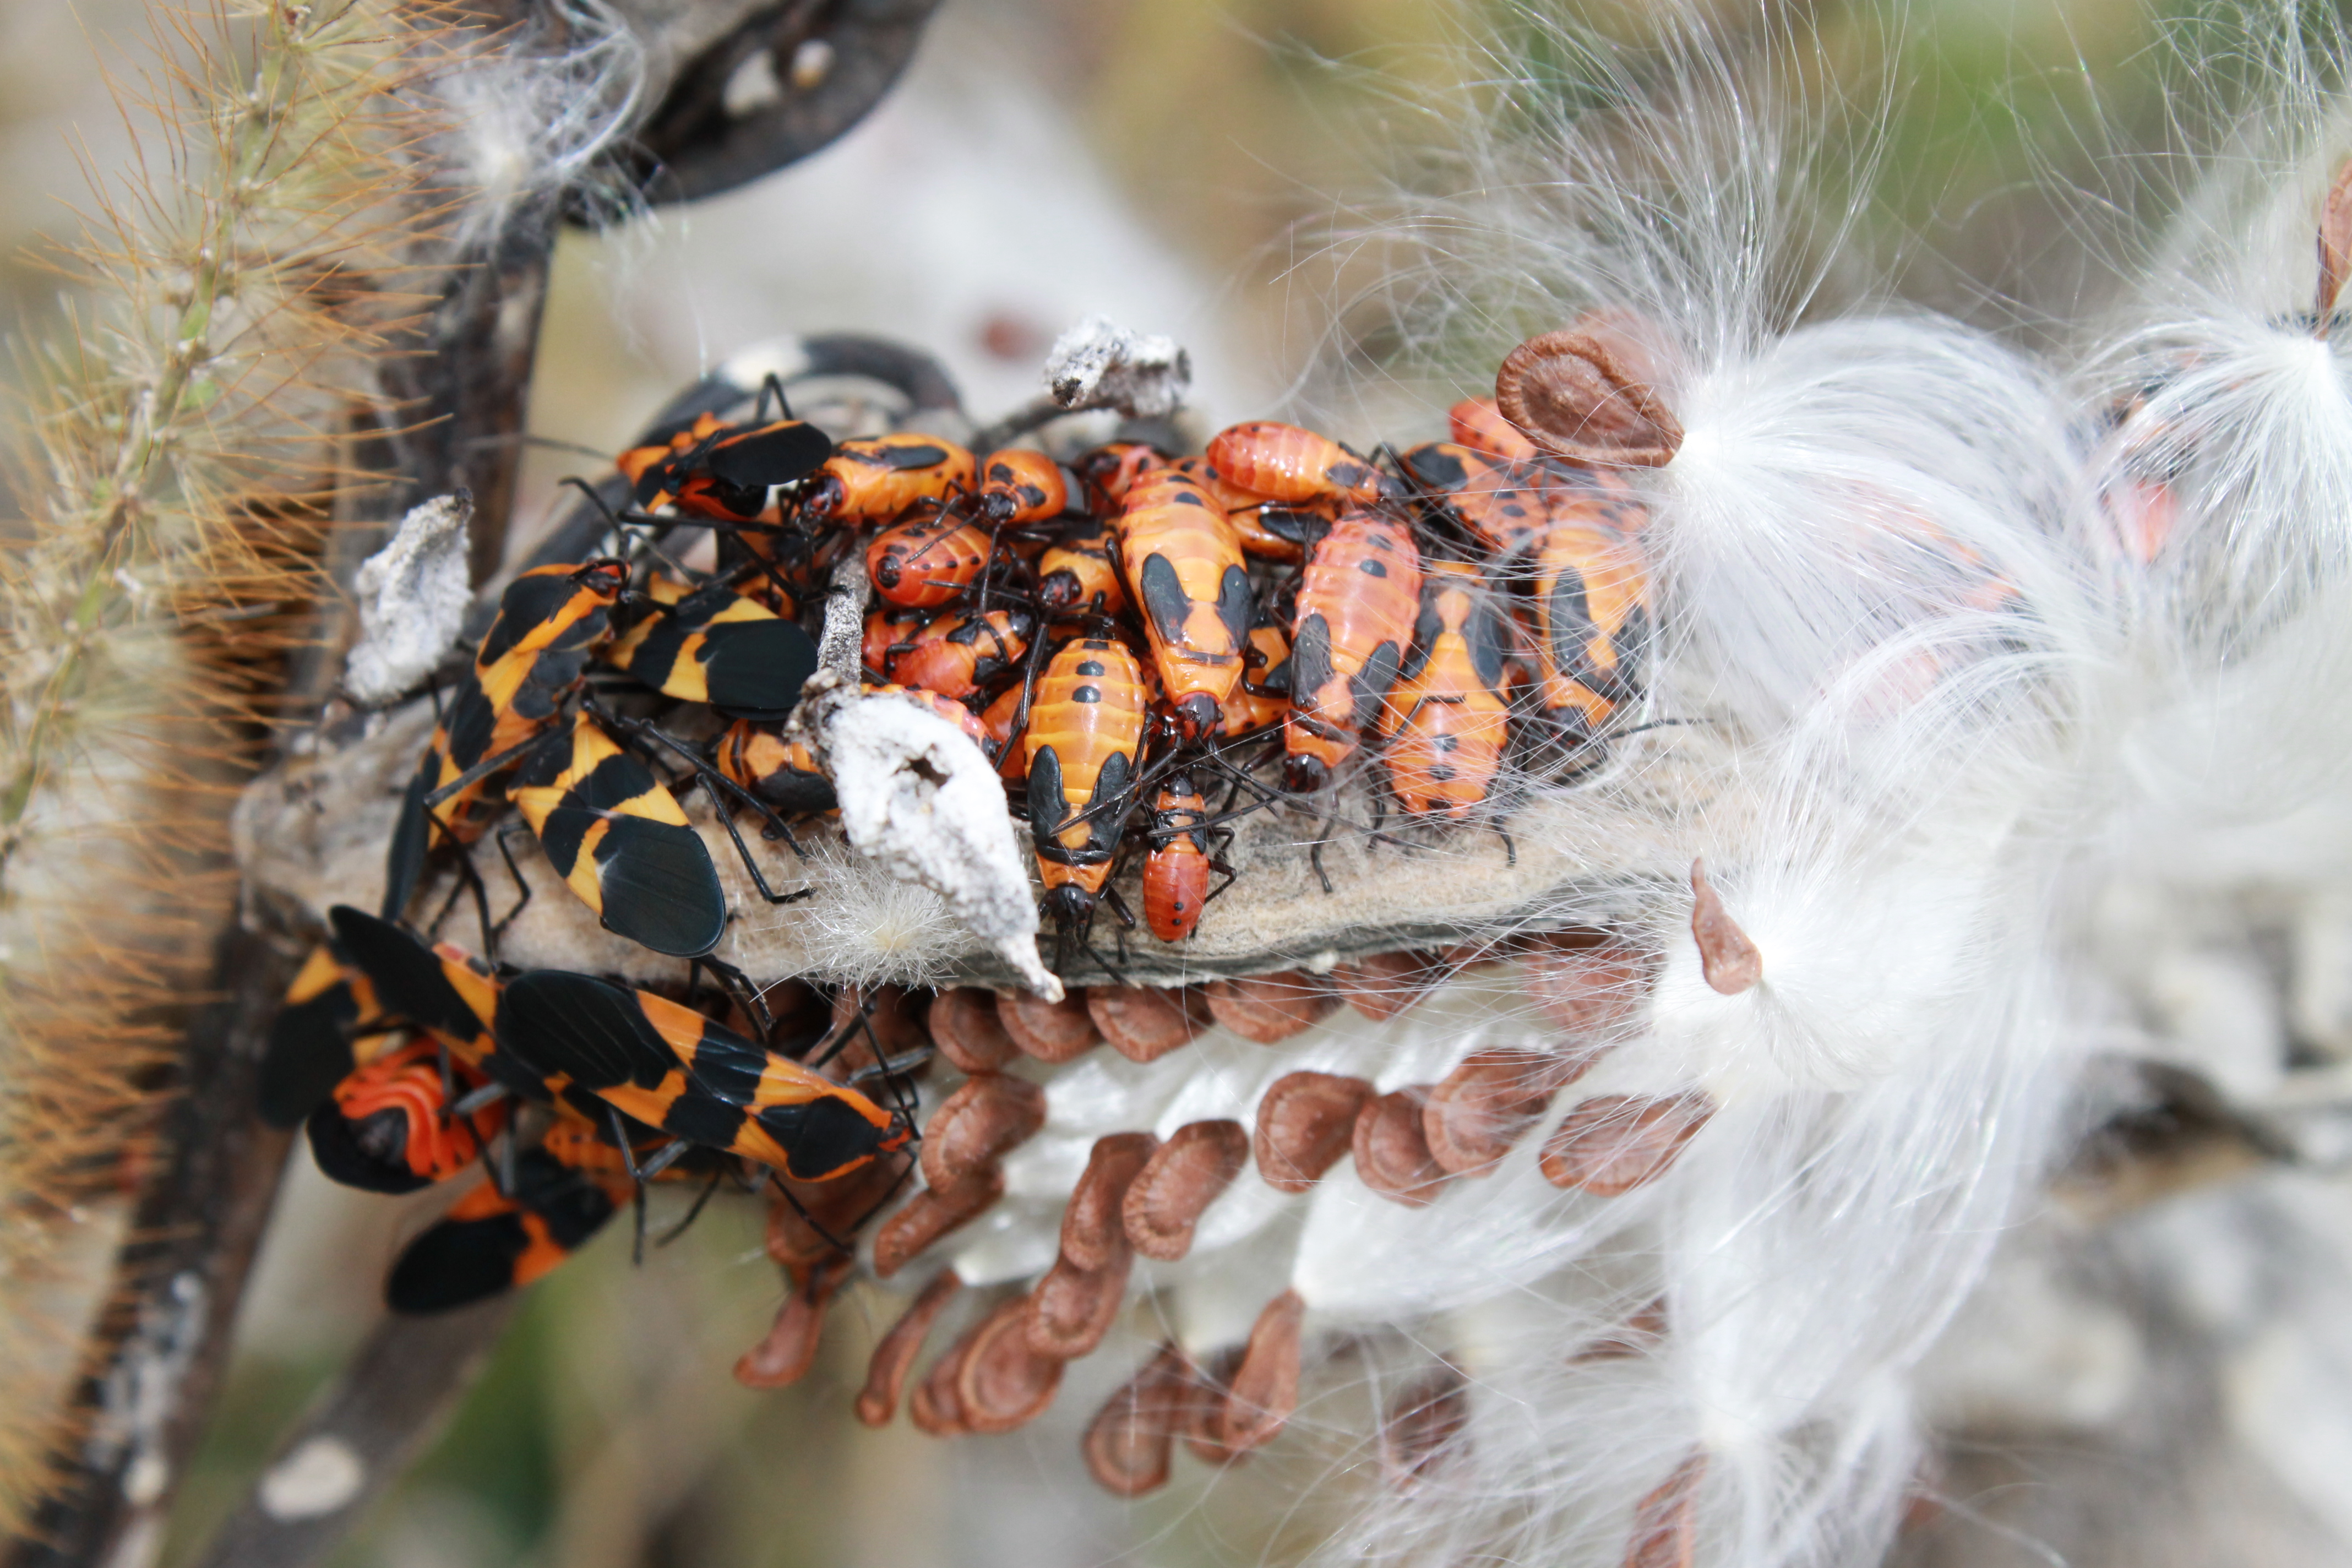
1018,485
491,1241
1591,592
388,1127
925,562
1502,501
1284,463
1111,470
888,626
1268,530
1478,424
1004,740
875,478
1447,719
1176,869
776,771
1183,562
1265,694
1357,598
957,656
1084,730
1075,574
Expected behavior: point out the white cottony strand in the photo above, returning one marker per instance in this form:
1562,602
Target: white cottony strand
412,597
1098,363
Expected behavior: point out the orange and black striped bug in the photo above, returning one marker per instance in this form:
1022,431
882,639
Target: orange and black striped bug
1499,502
1081,748
1020,485
446,992
1591,593
957,656
873,478
1183,562
1076,574
550,621
727,472
1178,861
1111,470
1358,599
925,562
718,646
779,775
1279,462
1447,720
681,1074
502,1235
392,1124
317,1037
1478,424
617,838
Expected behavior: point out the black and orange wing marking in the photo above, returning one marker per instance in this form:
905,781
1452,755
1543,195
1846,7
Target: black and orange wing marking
618,838
676,1071
441,990
492,1241
389,1127
311,1044
717,647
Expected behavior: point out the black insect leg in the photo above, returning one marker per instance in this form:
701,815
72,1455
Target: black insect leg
521,886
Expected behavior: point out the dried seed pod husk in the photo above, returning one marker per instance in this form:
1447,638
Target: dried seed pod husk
1306,1122
1269,1008
895,1353
964,1026
1144,1023
1183,1178
1614,1143
1049,1031
1391,1148
937,1408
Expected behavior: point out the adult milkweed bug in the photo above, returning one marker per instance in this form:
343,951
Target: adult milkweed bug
715,645
1270,531
1356,602
874,478
617,838
960,655
502,1235
316,1039
781,775
1083,732
724,471
679,1072
1284,463
1448,718
392,1125
1183,563
448,992
925,562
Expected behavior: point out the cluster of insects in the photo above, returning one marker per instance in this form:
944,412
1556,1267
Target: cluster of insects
1147,646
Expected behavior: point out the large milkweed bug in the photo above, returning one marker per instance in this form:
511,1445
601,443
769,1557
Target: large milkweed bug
1270,531
925,562
1498,502
781,775
874,478
683,1075
1111,470
1082,743
617,838
316,1039
392,1125
960,655
1591,593
448,994
723,472
716,646
502,1235
1183,564
1076,573
1447,719
1356,602
1284,463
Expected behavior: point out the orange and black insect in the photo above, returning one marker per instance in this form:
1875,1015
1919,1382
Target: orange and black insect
1265,694
1178,864
446,992
394,1125
925,562
875,478
501,1236
1499,502
1111,470
1591,593
1357,598
1281,462
324,1028
1269,531
617,838
680,1074
1183,564
1081,746
946,707
716,646
550,621
779,775
1076,574
960,655
1020,485
725,472
1478,424
1447,720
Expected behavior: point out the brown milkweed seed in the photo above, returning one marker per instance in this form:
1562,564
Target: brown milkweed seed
894,1355
1093,1232
937,1408
1587,984
1728,960
1144,1023
1666,1522
1305,1122
1181,1179
1050,1031
1271,1007
1615,1142
1072,1308
1426,1414
1264,1389
1000,1382
975,1126
1391,1148
1571,395
1386,984
1128,1444
789,1349
1486,1104
929,1216
2335,243
967,1031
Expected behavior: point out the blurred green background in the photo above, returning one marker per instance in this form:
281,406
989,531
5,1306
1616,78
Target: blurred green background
1148,159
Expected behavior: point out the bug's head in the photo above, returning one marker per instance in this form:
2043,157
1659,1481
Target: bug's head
1302,774
1198,715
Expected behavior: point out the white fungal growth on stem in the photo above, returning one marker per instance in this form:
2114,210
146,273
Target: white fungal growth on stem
412,596
1098,363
